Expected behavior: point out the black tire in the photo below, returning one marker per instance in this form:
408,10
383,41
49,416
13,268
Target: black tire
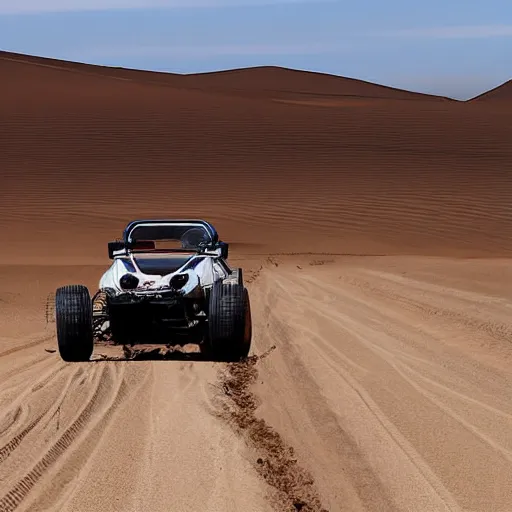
73,311
229,322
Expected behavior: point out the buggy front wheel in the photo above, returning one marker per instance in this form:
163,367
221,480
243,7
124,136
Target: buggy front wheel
229,322
73,311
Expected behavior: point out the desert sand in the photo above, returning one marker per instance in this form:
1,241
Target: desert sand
375,230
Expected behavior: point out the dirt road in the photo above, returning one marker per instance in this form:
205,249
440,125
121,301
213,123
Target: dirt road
388,377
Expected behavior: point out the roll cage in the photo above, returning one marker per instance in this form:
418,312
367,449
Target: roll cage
140,236
173,226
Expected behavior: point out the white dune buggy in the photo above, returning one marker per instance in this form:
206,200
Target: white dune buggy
169,283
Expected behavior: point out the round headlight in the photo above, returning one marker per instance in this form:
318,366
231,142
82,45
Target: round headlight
178,281
129,282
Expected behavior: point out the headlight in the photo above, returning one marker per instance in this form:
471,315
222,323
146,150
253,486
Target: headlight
129,282
178,281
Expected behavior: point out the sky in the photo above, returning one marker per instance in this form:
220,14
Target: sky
455,48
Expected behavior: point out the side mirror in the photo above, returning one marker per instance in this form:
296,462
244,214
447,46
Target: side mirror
224,249
113,247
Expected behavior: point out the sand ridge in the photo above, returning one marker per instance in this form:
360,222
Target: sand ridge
387,176
501,94
374,228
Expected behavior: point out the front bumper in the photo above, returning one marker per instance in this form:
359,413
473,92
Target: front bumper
155,312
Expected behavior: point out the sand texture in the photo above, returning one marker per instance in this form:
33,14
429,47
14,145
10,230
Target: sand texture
374,227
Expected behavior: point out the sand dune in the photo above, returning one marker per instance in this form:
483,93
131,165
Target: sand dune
261,81
376,233
502,93
386,176
278,82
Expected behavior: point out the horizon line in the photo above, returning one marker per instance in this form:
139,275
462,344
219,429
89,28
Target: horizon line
227,70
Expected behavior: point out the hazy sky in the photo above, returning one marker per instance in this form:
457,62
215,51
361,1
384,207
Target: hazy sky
457,48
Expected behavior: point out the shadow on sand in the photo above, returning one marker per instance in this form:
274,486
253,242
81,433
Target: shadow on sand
152,353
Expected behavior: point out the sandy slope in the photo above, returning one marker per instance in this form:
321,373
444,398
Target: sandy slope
391,378
501,95
387,375
118,436
109,436
380,379
82,153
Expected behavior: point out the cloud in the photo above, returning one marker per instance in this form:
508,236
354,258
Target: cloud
38,6
452,32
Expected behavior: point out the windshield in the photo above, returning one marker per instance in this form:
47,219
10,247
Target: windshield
189,235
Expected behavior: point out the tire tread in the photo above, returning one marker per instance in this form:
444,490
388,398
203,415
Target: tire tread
73,311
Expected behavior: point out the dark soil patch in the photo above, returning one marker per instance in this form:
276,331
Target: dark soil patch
277,463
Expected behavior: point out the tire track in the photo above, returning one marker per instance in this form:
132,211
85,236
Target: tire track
439,387
31,344
277,463
35,394
7,449
106,382
334,446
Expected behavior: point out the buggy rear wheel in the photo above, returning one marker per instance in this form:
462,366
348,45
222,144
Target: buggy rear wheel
73,311
229,322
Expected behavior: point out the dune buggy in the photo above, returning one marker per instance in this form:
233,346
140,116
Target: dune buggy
169,283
